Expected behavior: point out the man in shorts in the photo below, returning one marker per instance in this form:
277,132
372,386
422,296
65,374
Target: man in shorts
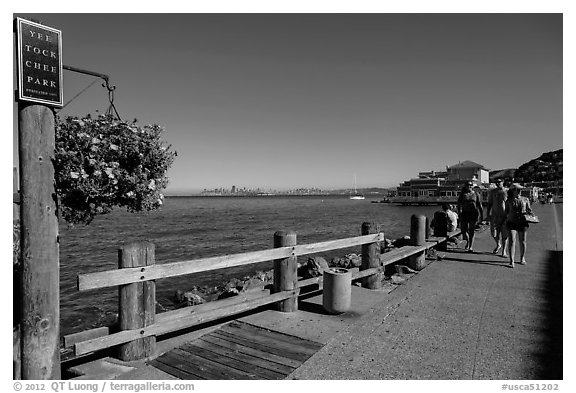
497,217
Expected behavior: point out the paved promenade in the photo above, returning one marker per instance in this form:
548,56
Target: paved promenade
466,317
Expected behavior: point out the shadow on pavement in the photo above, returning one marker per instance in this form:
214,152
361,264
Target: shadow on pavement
502,262
552,357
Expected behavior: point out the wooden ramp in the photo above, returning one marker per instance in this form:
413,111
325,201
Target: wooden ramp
238,350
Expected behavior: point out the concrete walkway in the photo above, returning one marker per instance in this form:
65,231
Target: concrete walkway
466,317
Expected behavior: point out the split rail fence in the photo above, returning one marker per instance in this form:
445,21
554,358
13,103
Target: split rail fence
139,324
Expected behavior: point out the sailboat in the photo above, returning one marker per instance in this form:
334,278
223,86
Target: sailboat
356,195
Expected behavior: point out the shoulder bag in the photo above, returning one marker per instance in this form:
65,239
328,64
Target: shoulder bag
531,218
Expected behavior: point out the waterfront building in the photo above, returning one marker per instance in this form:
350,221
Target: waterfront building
437,187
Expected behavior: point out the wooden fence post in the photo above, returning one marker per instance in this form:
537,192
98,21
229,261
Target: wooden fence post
285,271
40,277
417,238
137,307
370,257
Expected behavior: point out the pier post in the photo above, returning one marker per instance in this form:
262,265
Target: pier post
137,301
40,270
285,271
370,257
417,238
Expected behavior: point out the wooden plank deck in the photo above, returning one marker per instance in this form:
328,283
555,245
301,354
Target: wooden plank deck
238,350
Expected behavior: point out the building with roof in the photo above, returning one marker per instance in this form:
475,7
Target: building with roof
436,187
467,170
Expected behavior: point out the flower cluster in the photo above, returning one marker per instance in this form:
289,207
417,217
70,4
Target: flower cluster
103,162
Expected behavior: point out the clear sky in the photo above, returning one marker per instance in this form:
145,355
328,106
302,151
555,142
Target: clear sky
302,100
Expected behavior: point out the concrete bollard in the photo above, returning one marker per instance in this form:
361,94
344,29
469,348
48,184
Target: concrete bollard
417,238
337,292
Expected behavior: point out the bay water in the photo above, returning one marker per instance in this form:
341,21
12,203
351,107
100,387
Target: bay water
188,228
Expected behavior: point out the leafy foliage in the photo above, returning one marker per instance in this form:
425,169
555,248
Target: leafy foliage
103,162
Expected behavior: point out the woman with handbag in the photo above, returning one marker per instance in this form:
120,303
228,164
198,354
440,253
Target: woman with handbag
516,208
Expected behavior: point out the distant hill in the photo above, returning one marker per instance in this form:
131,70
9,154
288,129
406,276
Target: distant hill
364,191
548,167
377,190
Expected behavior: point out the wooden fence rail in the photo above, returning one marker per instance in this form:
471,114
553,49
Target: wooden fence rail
136,277
132,275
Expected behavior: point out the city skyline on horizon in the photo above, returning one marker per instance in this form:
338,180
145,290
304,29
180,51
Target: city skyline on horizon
268,189
286,101
233,187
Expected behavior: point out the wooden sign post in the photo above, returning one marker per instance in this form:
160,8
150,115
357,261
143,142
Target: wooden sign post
39,85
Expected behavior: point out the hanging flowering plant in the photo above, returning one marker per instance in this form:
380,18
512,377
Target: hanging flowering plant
104,162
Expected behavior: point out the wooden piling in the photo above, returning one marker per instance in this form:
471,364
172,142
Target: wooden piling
40,272
370,257
285,271
417,238
137,301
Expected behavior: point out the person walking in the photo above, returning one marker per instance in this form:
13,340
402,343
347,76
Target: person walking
478,191
469,208
495,213
516,207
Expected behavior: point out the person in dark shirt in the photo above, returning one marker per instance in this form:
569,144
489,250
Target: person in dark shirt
469,211
444,220
478,191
